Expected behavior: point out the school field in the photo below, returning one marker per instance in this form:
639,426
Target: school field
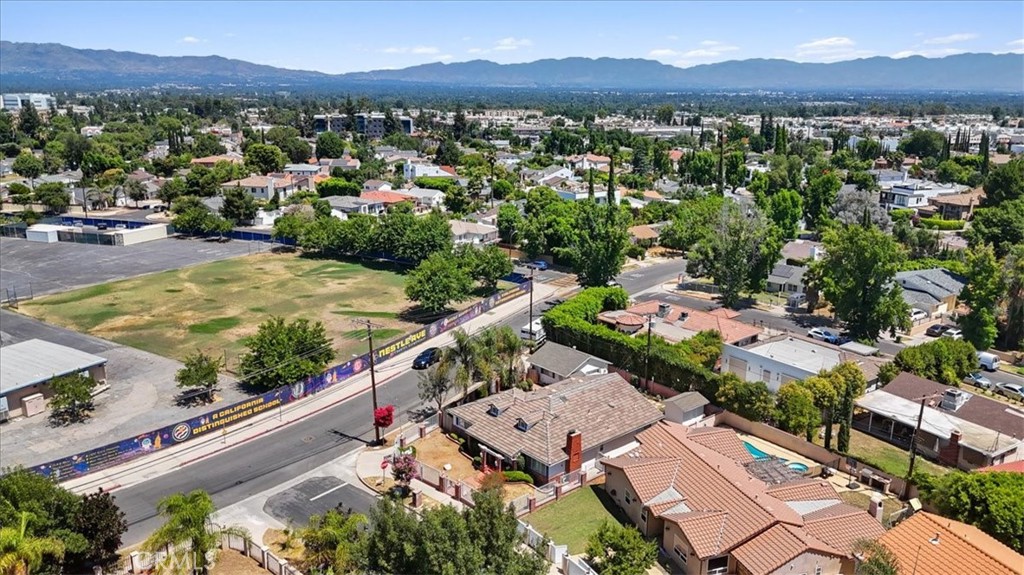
212,307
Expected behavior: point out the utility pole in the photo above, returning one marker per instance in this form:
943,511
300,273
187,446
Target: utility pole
373,376
533,335
647,356
913,442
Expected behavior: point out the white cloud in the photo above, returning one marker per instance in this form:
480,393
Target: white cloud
826,44
467,38
928,52
475,51
832,49
711,49
1018,43
230,34
512,43
425,50
672,37
190,40
395,50
710,43
662,52
445,57
951,39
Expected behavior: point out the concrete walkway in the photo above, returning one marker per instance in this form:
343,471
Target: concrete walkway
370,474
177,456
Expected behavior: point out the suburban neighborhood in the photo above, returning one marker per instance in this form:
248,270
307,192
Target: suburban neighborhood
441,327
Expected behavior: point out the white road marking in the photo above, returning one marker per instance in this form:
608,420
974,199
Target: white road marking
343,484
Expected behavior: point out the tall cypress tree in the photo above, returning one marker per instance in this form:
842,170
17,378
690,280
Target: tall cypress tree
590,184
611,175
984,153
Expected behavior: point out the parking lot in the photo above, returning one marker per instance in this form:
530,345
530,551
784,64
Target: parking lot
316,496
32,268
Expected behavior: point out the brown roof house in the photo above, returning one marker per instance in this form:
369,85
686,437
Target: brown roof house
564,427
957,427
957,206
676,323
717,512
928,544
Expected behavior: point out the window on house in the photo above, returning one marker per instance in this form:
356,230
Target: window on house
459,422
817,570
680,553
521,425
766,376
718,565
643,515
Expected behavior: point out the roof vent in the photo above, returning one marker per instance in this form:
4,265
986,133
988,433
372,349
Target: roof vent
954,399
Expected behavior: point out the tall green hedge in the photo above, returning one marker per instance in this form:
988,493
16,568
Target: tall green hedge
684,366
941,224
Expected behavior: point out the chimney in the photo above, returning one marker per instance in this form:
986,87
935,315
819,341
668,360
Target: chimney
574,449
954,438
663,309
875,506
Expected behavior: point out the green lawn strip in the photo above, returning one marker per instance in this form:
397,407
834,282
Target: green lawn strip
574,518
887,457
354,313
78,295
215,325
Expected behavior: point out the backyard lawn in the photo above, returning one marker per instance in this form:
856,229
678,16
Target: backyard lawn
884,456
862,499
574,518
213,306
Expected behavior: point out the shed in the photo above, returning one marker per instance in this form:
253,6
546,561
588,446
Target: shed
554,362
686,408
43,233
26,368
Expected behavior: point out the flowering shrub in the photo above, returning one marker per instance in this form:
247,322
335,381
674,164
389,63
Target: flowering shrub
384,416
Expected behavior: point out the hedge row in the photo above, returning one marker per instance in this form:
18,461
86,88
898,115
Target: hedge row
512,476
941,224
574,324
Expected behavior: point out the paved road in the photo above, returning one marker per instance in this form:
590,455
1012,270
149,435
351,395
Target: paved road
265,462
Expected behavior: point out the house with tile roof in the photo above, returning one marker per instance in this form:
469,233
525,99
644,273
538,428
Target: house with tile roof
927,544
562,428
958,428
693,489
676,323
264,187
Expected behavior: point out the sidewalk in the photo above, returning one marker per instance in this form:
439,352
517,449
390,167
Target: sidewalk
369,471
175,457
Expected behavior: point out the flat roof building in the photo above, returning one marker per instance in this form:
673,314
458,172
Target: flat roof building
26,369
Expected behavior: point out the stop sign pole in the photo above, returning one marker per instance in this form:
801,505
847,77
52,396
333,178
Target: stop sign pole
383,466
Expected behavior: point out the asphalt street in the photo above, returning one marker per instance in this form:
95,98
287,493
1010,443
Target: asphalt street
239,473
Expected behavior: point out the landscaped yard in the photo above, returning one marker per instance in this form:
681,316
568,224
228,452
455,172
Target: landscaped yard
862,499
436,450
574,518
213,306
885,456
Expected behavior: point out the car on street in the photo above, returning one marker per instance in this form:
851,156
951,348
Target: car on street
539,265
937,329
977,378
822,334
533,331
427,358
1011,390
953,333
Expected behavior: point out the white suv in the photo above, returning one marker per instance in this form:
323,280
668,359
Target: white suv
953,333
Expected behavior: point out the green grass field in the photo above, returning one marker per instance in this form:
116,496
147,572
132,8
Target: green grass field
213,306
587,512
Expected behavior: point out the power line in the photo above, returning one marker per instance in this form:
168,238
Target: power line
373,377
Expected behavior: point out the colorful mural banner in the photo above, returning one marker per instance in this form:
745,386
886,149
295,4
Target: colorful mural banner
131,448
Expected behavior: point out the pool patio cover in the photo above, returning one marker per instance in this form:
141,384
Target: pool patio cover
937,422
36,361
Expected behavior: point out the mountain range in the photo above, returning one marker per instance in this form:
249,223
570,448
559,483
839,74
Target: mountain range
59,66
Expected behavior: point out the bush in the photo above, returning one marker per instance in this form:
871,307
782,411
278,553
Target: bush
476,462
512,476
635,251
492,480
941,224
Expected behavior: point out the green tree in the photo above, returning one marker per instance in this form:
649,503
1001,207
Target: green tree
391,542
264,158
1013,274
989,501
826,392
329,145
53,511
199,372
448,153
616,549
239,206
985,288
819,196
434,385
923,144
508,351
457,201
193,220
750,399
291,226
875,558
465,358
665,114
1002,226
944,360
171,190
283,353
1004,183
188,521
490,265
332,540
102,524
54,196
204,145
785,209
493,526
509,222
28,166
21,553
857,276
29,122
135,191
445,544
437,282
72,396
795,410
502,189
738,253
597,255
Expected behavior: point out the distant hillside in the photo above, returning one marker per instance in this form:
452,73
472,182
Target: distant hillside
61,65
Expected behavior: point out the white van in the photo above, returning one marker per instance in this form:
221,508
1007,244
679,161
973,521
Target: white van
533,331
989,361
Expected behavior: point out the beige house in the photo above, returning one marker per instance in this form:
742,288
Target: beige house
716,510
26,369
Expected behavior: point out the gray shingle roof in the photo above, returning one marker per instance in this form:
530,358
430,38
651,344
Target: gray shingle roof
599,407
688,400
559,359
34,361
939,283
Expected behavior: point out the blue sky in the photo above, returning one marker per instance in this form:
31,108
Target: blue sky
355,36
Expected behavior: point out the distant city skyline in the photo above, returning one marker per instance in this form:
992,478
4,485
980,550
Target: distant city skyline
359,36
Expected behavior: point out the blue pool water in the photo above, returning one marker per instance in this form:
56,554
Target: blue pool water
757,453
797,466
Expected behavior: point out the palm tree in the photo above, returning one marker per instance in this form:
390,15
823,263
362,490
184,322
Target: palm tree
189,522
487,356
463,355
329,541
134,190
20,553
509,349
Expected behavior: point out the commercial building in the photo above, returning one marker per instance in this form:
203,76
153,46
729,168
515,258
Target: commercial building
41,102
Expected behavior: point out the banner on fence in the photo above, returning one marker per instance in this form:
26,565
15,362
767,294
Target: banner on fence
127,449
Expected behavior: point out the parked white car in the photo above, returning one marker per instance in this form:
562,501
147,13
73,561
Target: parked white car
1011,390
918,314
954,333
822,334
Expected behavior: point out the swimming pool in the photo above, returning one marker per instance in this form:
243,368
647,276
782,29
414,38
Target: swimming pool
757,453
797,466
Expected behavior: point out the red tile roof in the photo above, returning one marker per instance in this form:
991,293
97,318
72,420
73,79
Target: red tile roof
932,545
804,490
1013,467
732,331
776,547
842,525
385,197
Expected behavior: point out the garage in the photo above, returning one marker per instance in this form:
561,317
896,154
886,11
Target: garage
26,369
